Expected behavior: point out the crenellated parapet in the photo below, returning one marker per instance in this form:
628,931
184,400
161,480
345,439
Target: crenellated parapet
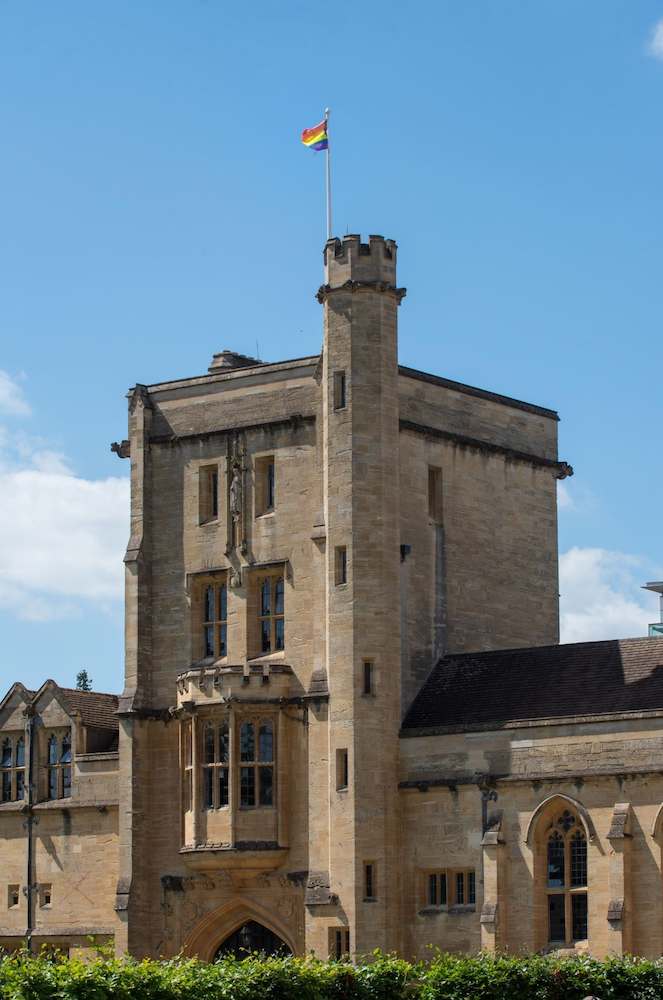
215,685
352,266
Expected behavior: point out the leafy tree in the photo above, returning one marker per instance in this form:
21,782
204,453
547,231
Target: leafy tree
83,682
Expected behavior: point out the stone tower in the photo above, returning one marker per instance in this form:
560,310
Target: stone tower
361,496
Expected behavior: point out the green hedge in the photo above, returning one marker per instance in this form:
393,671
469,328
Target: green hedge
446,977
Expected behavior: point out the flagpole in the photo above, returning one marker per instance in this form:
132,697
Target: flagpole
329,224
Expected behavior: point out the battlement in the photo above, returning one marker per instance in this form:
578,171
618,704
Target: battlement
349,258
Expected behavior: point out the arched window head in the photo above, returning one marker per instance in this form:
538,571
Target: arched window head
565,852
65,755
53,749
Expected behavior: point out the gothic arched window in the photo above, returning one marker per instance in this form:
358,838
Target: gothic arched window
566,879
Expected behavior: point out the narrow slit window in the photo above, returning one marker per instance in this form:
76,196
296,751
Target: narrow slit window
208,493
13,895
435,494
265,485
342,773
368,677
341,565
369,880
339,390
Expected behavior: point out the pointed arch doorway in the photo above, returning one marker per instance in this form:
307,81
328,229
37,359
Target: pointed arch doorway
252,936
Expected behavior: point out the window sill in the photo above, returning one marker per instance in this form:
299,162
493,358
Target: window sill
270,512
250,809
452,911
209,521
369,899
266,657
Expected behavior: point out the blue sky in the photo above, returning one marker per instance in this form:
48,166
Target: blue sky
158,206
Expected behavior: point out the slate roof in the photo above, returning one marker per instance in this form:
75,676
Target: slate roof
97,709
493,689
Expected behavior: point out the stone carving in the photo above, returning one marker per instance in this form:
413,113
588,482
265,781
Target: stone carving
286,907
224,879
168,933
284,881
166,909
236,494
262,880
189,911
204,882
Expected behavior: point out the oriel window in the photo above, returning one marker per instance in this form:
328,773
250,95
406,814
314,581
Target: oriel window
256,751
216,764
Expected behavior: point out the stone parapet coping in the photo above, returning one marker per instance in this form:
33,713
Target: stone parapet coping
60,804
451,781
77,931
470,390
261,368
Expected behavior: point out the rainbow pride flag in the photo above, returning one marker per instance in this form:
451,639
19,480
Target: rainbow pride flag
316,138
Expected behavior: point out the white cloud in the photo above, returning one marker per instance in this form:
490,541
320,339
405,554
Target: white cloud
600,595
655,43
62,537
11,397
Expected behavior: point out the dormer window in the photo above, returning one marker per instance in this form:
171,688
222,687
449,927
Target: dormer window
58,765
12,765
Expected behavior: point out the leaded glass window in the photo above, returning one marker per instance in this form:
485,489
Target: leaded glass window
566,879
272,610
215,619
216,764
257,772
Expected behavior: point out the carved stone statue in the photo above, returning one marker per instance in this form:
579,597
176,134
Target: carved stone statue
236,494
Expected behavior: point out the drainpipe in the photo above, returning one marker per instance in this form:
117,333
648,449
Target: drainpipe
32,888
